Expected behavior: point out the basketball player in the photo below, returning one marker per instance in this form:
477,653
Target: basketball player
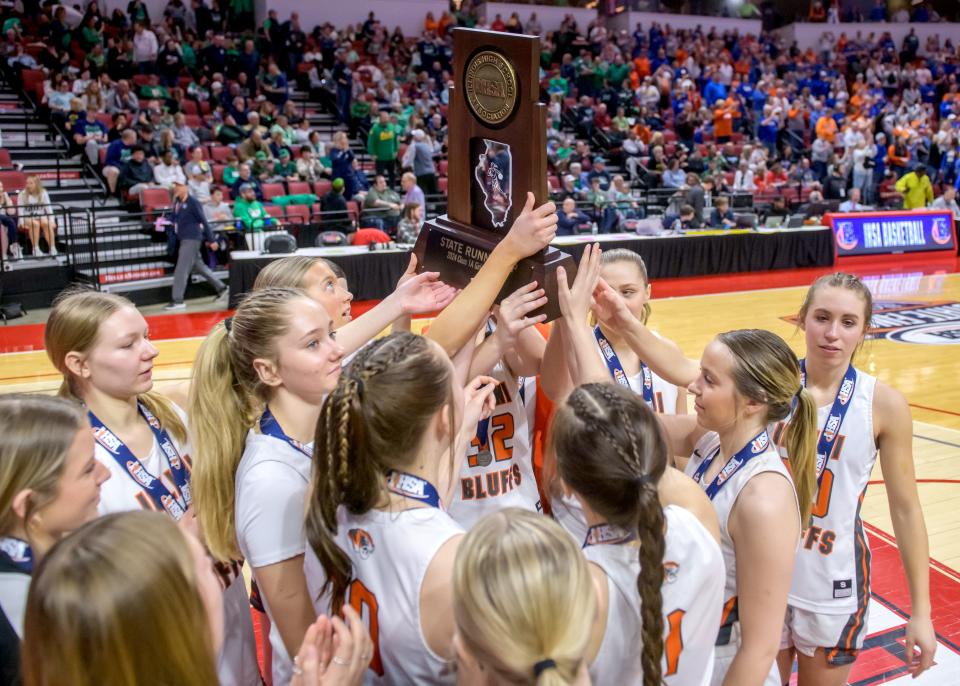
49,486
101,345
858,417
259,380
626,270
522,598
747,380
498,469
826,625
415,294
650,527
379,537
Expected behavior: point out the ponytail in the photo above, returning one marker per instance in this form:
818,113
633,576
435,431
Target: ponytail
650,530
374,420
220,415
611,451
802,452
225,397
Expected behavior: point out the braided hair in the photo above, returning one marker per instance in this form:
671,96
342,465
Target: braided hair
610,450
372,422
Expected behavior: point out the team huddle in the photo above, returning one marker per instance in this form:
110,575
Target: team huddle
491,502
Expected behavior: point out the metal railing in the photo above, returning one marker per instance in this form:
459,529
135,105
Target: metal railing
74,239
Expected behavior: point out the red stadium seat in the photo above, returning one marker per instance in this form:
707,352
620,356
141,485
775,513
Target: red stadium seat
322,187
272,190
298,214
153,199
5,160
442,168
220,153
217,170
193,120
188,106
299,188
274,211
13,180
442,184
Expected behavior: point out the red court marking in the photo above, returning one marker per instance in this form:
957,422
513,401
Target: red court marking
920,481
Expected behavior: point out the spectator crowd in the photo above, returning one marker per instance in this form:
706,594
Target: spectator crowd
693,117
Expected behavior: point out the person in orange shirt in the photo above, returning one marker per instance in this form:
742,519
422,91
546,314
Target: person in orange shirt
827,128
723,120
430,24
642,64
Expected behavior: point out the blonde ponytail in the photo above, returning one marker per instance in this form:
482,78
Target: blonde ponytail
220,415
802,451
522,589
225,397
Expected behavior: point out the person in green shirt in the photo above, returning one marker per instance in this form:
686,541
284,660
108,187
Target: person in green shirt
558,84
385,201
618,71
249,211
232,171
916,188
284,168
383,145
359,114
261,165
287,132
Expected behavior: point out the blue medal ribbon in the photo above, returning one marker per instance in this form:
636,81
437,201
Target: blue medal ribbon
410,486
19,552
607,534
616,368
176,506
838,411
269,426
755,447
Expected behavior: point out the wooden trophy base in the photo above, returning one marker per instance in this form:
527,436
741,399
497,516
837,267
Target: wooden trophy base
458,251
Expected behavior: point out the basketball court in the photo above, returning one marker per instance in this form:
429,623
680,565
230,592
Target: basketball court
914,346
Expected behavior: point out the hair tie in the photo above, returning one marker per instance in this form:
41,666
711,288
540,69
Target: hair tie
228,324
646,480
543,666
796,399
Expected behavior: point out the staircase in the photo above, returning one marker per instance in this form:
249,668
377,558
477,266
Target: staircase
123,253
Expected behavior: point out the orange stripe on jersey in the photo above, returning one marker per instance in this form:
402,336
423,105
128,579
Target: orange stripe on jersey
544,470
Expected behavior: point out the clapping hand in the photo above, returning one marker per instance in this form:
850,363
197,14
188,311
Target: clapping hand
334,652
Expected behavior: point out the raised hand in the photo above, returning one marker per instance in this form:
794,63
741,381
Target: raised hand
532,231
575,300
511,313
422,293
609,307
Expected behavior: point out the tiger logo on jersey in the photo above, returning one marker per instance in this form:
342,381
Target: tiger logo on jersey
362,542
670,571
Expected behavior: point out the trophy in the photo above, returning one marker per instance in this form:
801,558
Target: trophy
497,152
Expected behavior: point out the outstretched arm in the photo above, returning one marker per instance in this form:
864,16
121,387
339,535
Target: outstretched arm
664,357
531,232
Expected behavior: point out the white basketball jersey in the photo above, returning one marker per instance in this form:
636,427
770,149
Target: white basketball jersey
567,511
237,661
500,473
390,553
692,593
728,638
664,392
832,570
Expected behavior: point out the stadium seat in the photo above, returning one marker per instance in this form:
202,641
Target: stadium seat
272,190
188,106
298,188
152,200
274,211
322,187
220,153
13,180
298,214
5,161
442,184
